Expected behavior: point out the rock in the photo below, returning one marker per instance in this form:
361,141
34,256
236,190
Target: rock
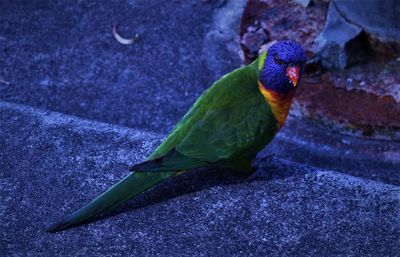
280,20
378,18
355,30
252,42
221,43
53,164
332,45
320,143
304,3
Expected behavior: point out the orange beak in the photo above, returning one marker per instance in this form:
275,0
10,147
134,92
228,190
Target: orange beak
293,73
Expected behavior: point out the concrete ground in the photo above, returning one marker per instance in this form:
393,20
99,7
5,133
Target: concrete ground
80,107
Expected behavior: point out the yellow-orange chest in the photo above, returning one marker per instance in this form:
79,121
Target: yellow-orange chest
279,103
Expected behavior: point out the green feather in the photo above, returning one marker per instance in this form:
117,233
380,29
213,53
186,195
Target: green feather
227,125
129,187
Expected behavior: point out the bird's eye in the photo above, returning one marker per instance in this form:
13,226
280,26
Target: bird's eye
277,60
291,64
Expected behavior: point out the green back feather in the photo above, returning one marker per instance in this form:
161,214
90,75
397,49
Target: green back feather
228,124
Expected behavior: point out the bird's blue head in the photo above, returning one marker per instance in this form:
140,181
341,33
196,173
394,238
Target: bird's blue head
282,66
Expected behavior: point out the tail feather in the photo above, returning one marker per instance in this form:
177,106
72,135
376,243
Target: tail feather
126,189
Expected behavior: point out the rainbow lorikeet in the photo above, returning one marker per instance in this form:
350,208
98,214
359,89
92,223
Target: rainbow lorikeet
227,126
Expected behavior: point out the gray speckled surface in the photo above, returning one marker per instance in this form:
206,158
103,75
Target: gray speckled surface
55,163
61,56
315,193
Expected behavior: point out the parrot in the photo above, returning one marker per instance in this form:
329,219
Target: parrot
227,126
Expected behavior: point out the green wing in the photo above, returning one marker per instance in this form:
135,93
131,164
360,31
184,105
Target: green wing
230,120
228,124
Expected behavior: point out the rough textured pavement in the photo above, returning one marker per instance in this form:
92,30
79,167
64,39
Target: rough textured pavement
315,193
61,56
55,163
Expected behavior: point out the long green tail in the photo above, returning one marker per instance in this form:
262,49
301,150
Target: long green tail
126,189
